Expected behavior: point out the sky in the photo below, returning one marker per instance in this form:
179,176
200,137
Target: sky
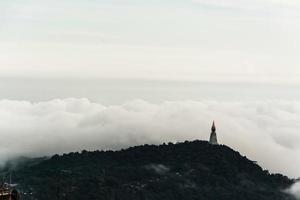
109,74
199,40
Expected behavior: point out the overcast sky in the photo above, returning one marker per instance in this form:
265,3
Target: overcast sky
223,40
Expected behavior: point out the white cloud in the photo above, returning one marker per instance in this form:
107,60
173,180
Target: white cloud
294,190
248,4
114,39
264,131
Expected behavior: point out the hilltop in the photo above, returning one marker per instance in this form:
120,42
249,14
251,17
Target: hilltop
185,171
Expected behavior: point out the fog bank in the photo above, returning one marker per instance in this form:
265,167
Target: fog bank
265,131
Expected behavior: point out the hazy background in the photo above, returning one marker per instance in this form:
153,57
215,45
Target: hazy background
117,91
233,40
108,74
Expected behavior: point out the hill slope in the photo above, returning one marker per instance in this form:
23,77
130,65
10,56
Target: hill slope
186,171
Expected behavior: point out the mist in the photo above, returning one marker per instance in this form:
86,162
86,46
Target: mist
264,131
294,190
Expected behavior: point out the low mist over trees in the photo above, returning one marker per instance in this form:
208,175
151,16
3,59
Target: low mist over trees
189,170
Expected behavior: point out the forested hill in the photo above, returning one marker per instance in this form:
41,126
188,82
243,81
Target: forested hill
186,171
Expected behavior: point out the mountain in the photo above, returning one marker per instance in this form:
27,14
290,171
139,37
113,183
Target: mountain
187,171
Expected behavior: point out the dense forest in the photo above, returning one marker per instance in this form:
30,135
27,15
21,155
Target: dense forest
187,171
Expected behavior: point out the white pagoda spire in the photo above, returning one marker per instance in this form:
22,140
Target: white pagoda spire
213,136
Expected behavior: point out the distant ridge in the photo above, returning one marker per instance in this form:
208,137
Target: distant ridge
185,171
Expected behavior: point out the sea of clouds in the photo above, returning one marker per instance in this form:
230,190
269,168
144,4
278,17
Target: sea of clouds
264,131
